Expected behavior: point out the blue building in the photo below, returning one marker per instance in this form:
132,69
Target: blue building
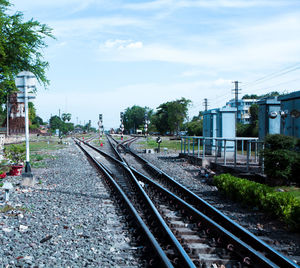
290,114
219,123
243,113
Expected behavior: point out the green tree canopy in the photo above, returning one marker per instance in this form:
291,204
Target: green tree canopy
171,115
66,117
55,122
21,44
134,117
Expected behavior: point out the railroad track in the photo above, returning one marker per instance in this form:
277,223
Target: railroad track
187,230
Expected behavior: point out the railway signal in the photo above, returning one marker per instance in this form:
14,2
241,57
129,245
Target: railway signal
101,128
122,125
25,82
158,140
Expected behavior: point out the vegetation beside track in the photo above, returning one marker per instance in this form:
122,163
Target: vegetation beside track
151,143
285,205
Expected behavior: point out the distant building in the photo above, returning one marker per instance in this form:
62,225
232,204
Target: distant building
16,115
243,114
290,114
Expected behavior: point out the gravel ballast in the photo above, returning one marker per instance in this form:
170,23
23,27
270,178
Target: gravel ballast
66,220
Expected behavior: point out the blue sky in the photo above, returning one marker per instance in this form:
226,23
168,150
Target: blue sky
112,54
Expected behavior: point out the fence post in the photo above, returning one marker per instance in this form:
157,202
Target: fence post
263,161
193,146
188,146
235,153
242,147
181,145
216,150
198,147
225,152
248,153
203,151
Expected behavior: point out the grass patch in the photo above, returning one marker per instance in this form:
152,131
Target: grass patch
166,143
37,159
8,208
43,145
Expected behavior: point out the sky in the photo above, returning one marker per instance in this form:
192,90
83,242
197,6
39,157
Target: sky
112,54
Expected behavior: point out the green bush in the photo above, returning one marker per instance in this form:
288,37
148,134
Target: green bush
16,153
281,204
281,158
279,141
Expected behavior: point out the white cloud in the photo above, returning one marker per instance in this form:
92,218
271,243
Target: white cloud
121,44
89,26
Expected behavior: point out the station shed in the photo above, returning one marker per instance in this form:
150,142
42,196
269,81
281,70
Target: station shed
219,123
268,117
290,119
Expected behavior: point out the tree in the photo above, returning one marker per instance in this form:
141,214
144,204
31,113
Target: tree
134,117
171,115
254,114
21,44
66,117
252,96
55,122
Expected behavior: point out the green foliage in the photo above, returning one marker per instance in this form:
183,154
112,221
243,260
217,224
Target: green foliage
281,159
4,166
252,96
37,121
268,95
278,163
194,127
16,153
21,44
55,123
254,114
66,117
246,130
134,117
171,115
279,141
281,204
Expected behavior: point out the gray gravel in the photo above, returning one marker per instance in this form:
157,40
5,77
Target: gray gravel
68,220
272,231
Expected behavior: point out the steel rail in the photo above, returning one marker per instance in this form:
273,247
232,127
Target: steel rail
228,239
220,218
151,239
184,258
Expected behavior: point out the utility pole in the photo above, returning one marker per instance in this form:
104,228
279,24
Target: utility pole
236,98
205,104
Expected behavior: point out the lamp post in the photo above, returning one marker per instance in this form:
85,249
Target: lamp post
25,81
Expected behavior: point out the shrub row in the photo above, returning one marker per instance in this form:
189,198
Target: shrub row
281,204
282,158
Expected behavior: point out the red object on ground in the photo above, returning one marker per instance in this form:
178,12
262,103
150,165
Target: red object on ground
101,144
121,139
3,175
16,170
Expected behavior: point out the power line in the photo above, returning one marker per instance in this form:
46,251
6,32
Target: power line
273,75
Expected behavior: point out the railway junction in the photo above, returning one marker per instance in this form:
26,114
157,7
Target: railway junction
107,206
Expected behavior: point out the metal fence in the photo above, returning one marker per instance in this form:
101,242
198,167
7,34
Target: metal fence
224,150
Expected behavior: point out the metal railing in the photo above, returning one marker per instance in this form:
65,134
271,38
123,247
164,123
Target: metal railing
225,149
